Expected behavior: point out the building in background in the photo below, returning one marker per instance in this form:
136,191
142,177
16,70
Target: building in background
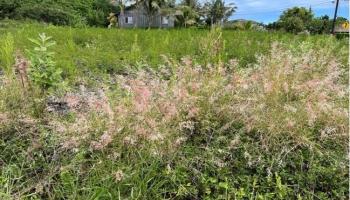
342,28
133,17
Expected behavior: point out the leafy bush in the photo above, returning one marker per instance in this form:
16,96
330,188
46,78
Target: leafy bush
293,25
74,13
43,71
295,19
46,13
298,19
320,25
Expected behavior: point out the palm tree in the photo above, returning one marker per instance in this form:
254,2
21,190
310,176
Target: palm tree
121,5
217,11
153,7
188,16
188,12
137,4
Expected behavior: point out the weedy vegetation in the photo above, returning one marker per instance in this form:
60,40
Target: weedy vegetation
6,53
172,114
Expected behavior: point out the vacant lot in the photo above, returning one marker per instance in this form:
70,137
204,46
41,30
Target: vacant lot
171,114
114,50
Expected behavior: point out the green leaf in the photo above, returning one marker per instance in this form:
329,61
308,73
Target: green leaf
35,41
223,185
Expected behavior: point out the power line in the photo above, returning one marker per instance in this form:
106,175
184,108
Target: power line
335,16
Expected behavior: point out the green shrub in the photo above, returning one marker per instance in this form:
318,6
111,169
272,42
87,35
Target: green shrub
75,13
293,24
46,13
43,71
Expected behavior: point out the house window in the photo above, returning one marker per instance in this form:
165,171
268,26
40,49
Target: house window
128,20
165,20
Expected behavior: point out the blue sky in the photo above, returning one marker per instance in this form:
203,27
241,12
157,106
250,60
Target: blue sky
267,11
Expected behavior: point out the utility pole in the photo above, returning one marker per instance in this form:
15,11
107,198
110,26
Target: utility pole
335,16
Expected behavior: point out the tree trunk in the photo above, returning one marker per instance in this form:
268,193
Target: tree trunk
149,21
122,16
161,22
137,14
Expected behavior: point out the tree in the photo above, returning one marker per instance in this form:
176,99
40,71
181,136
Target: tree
293,25
320,25
63,12
340,20
274,26
295,19
152,7
194,4
8,8
188,16
304,14
188,13
217,11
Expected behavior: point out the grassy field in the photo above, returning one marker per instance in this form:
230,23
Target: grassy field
115,50
171,114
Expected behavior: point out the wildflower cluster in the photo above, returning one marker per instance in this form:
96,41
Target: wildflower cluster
299,94
288,94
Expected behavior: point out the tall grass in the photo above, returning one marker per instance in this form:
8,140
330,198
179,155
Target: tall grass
7,50
98,49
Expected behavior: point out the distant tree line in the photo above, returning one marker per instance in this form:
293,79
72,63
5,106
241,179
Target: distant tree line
95,12
300,19
188,13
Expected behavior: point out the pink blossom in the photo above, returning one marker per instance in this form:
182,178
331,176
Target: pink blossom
290,123
193,112
142,96
169,110
268,87
286,87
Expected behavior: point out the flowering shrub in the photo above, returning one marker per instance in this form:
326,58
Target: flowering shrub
300,94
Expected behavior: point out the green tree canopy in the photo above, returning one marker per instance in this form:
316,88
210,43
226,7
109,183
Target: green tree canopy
152,7
320,25
296,19
188,13
218,11
63,12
